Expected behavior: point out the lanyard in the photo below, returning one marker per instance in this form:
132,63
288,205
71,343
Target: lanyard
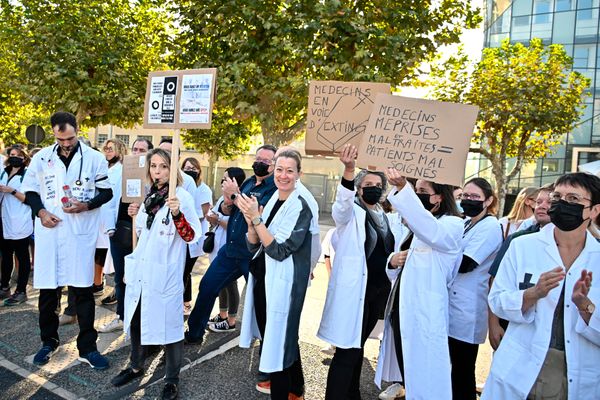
469,226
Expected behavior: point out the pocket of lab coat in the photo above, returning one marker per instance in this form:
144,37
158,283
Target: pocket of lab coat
508,355
348,271
167,278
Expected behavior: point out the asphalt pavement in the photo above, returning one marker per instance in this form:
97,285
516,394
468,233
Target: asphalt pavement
218,369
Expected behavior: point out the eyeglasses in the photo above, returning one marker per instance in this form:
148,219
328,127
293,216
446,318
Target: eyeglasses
107,148
470,196
572,198
369,184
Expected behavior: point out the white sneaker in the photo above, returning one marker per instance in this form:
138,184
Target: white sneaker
395,391
329,350
114,325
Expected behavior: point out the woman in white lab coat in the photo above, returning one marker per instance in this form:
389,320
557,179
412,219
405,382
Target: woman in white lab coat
425,271
17,225
279,271
468,294
358,287
154,291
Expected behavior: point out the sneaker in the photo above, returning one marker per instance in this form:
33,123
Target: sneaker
43,355
95,359
16,298
222,326
264,387
292,396
110,299
114,325
329,350
4,293
170,392
216,319
98,290
67,319
126,376
395,391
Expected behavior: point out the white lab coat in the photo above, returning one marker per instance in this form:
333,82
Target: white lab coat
431,266
520,356
220,232
109,211
315,231
154,274
468,293
202,195
341,323
65,253
16,215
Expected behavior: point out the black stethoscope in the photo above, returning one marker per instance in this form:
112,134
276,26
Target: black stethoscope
78,182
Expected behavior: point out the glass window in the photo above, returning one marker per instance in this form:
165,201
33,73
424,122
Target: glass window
147,137
542,26
124,139
522,7
101,139
582,132
520,29
587,4
587,23
584,56
564,27
542,6
564,5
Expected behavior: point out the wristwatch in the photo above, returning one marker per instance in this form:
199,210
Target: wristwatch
257,221
589,308
14,192
233,196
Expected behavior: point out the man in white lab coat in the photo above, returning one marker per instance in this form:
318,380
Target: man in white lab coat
65,185
551,348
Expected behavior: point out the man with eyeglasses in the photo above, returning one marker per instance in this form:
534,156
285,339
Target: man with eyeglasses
65,185
233,258
543,287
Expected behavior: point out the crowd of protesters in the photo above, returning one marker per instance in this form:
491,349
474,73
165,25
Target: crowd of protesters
430,260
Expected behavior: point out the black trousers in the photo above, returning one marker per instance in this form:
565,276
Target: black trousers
463,357
85,310
343,379
290,379
173,351
187,275
20,248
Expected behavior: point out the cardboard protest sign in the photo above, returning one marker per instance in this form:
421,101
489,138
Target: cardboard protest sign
423,139
180,99
338,113
133,185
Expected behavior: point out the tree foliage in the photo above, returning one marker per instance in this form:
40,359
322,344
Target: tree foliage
87,57
267,51
528,97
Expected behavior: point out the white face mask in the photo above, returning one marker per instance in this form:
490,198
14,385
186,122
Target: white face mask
459,206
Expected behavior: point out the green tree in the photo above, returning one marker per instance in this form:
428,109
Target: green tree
267,51
528,97
227,139
87,57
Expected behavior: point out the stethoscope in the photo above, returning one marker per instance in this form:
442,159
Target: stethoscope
78,182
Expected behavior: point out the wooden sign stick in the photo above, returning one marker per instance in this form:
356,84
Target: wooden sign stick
174,163
133,234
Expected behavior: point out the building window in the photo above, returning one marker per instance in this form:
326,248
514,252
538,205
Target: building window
124,139
564,5
101,139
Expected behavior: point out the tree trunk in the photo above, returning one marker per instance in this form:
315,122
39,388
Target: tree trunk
498,169
212,171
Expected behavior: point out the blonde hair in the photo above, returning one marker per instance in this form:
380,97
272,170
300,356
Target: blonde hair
517,213
166,157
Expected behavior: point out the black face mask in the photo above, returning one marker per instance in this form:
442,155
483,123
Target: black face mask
471,208
193,174
113,160
371,194
260,169
15,161
424,197
566,216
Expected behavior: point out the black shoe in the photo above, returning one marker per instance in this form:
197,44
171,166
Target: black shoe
126,376
108,300
170,392
192,340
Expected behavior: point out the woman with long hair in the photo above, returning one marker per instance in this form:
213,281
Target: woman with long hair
153,271
521,211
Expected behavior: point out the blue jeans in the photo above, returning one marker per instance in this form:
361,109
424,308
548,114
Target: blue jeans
221,272
118,253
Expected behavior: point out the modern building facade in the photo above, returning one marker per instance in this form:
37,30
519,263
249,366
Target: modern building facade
574,24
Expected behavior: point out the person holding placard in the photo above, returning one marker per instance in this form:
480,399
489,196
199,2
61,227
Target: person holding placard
153,271
65,185
358,287
468,294
415,339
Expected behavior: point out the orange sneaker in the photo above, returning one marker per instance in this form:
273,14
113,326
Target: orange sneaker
292,396
264,387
